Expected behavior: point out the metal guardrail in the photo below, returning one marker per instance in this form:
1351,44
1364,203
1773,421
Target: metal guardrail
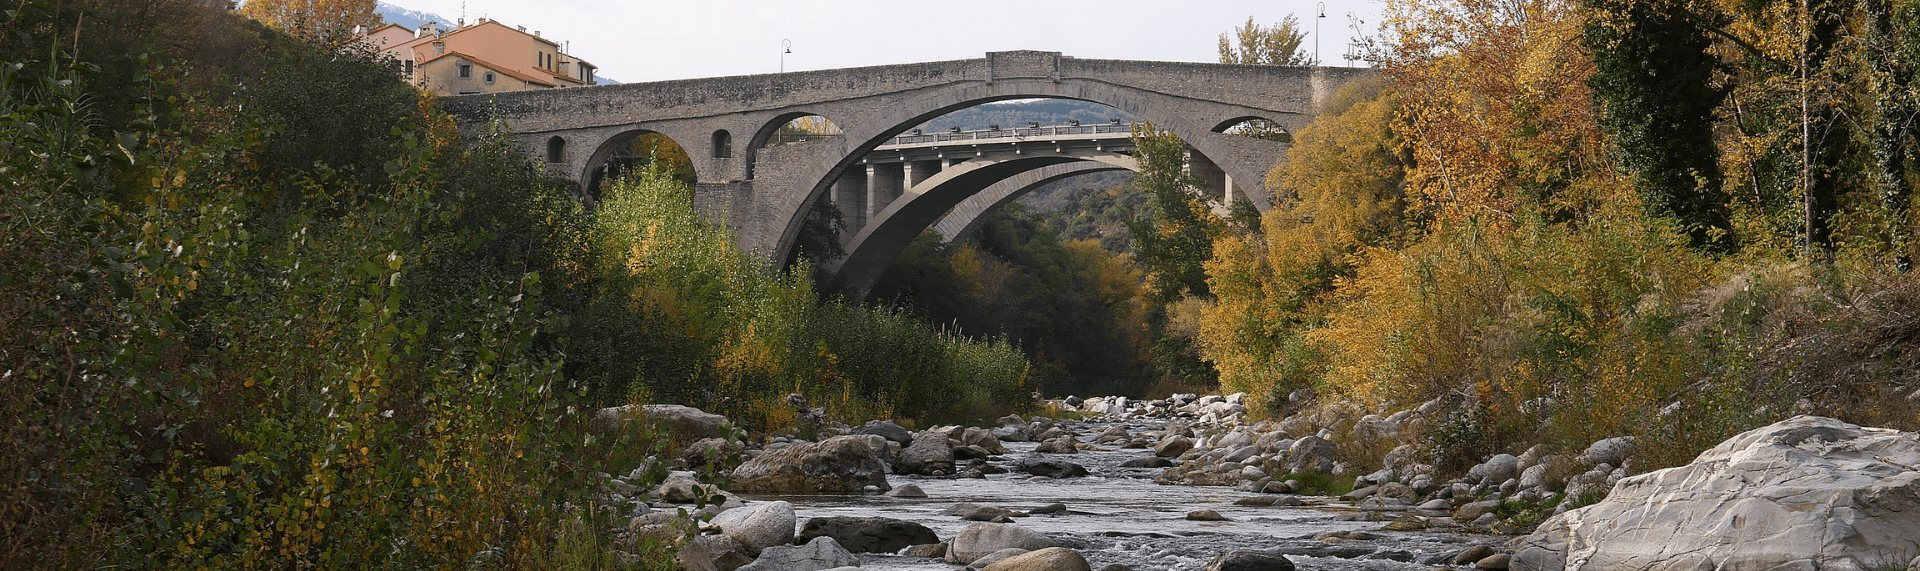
1022,133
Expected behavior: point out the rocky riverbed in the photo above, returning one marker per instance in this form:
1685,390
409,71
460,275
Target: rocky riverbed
1185,483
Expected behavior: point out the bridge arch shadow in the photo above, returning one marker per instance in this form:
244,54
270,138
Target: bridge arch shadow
634,149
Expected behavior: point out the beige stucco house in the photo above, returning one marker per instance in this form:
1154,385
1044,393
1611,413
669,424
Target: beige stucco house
486,57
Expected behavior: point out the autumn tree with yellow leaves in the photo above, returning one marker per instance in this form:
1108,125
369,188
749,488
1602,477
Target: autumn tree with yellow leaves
327,23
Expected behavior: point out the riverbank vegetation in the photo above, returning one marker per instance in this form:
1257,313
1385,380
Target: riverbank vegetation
1578,220
265,308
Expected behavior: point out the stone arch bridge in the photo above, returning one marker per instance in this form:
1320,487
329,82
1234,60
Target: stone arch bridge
763,185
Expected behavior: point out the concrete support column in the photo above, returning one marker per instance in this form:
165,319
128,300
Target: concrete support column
920,171
1213,180
885,182
850,198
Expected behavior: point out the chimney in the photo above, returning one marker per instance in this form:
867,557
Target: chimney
536,33
462,22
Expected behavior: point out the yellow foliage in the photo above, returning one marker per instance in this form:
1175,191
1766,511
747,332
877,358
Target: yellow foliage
328,23
1495,110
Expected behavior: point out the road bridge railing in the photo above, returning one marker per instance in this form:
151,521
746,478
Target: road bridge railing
922,139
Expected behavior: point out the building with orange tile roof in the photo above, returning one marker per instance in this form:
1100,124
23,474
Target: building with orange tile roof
486,57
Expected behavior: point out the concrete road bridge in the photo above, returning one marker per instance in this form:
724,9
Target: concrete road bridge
762,182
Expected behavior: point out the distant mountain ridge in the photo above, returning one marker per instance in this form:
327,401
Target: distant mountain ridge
409,18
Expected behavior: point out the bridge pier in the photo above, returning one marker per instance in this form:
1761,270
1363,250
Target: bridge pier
885,182
850,197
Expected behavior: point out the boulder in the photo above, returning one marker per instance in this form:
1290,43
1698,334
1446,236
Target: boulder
682,487
1808,491
907,491
758,527
888,430
1011,433
1250,561
1496,470
1611,451
1471,511
930,455
1052,508
1205,515
1147,462
842,464
995,557
713,553
1311,454
707,450
1060,445
821,553
983,438
1048,559
1172,446
1242,453
932,550
980,539
1052,468
970,452
869,534
684,421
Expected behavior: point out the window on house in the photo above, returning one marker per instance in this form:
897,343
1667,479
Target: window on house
409,67
488,77
466,71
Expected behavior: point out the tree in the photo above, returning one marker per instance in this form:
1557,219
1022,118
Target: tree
1654,79
1175,237
326,23
1278,44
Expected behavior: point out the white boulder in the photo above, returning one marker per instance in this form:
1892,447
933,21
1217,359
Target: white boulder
1807,492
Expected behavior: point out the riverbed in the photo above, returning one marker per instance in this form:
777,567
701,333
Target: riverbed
1120,515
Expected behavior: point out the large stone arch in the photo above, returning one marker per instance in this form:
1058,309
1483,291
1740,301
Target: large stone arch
1245,160
955,201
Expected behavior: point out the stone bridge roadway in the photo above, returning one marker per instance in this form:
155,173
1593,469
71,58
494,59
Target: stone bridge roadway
763,191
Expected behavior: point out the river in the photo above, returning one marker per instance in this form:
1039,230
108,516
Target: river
1119,515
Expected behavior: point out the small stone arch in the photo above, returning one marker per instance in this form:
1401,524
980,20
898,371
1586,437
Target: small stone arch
556,149
722,144
631,149
791,128
1255,127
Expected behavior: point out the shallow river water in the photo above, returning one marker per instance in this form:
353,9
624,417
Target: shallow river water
1119,515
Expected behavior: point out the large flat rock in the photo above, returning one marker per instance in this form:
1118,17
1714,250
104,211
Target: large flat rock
1807,492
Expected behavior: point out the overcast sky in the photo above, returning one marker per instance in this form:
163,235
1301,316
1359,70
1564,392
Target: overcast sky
649,40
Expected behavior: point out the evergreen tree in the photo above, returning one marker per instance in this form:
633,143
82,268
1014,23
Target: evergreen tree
1653,78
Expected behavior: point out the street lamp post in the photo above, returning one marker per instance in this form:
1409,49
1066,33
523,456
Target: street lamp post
786,47
1322,9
